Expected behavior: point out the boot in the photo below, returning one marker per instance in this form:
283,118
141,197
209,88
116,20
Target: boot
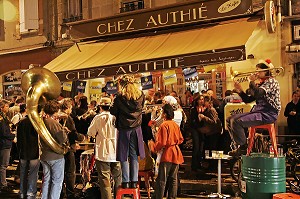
125,185
133,185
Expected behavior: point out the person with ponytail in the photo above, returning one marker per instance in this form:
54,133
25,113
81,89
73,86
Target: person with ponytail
265,91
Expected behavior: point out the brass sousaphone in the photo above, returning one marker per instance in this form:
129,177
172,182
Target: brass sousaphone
41,85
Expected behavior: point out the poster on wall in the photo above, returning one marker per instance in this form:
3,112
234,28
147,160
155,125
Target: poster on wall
111,88
14,76
80,86
96,88
12,90
170,77
147,82
67,86
190,72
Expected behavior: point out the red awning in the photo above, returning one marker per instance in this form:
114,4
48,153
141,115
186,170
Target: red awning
22,59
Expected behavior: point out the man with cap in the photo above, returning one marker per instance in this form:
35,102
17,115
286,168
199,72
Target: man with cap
266,93
103,129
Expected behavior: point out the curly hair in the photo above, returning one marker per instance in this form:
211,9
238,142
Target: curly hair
128,89
131,91
51,107
66,103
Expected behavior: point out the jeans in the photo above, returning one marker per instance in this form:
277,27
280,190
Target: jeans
131,175
53,171
4,161
70,174
28,178
236,125
105,170
166,171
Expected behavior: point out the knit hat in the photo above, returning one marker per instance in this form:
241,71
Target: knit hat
265,64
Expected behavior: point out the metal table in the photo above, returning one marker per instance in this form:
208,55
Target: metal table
219,193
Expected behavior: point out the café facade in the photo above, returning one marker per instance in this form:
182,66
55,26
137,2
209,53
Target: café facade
199,34
213,36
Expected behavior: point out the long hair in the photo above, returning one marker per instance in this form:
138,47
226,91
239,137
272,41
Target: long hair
131,91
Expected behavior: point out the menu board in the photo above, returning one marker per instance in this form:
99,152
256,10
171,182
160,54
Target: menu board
220,87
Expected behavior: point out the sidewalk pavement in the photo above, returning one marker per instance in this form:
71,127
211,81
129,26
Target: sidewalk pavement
193,184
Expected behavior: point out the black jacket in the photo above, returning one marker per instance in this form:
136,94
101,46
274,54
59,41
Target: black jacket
6,137
73,135
128,113
28,144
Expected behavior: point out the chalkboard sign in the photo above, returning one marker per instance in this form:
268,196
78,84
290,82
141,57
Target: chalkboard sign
219,84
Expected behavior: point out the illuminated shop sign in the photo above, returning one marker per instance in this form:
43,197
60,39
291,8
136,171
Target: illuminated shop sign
189,13
180,61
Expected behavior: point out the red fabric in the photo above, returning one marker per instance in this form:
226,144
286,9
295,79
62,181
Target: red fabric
286,196
268,61
168,138
151,122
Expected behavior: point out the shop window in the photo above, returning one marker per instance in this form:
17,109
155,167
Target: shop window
296,31
12,84
132,5
29,19
72,10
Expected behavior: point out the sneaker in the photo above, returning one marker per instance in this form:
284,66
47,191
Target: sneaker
237,152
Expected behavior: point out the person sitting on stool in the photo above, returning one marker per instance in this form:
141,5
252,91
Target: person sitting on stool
267,96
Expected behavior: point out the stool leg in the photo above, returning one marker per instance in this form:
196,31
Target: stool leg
147,184
152,177
274,140
139,180
137,195
250,140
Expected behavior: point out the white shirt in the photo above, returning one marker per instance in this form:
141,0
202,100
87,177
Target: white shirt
103,128
177,117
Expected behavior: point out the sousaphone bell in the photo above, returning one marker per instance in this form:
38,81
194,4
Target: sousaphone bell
40,85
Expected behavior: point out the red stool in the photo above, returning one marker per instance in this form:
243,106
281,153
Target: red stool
135,192
285,196
147,175
272,133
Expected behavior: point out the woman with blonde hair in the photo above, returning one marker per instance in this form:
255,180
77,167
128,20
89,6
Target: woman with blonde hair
127,108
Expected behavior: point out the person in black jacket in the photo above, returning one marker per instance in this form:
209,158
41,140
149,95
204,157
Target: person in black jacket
28,149
197,136
293,115
73,136
6,139
127,108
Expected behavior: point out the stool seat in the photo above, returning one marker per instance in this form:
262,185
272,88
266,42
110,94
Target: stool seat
146,175
272,133
135,192
285,196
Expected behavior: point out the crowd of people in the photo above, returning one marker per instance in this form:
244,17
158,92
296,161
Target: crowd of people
124,125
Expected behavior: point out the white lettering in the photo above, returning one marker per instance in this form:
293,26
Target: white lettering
129,24
121,69
70,76
151,21
99,29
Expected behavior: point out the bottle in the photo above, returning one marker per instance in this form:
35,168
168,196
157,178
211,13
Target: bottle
271,151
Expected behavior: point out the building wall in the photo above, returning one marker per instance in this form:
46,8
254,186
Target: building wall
12,39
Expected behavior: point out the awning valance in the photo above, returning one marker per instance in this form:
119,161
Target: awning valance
211,45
